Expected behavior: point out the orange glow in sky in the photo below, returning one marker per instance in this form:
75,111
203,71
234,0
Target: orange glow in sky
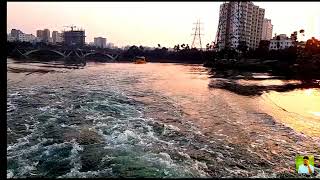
152,23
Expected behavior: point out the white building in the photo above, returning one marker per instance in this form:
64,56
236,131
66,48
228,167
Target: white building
266,29
283,42
15,33
239,21
100,42
26,37
56,37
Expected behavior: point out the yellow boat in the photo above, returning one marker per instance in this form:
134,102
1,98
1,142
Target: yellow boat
140,60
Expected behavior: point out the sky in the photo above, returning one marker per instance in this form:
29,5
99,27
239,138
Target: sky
152,23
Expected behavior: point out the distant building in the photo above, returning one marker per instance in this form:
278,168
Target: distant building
38,39
11,38
100,42
15,33
74,38
266,29
56,37
46,35
60,38
282,41
40,33
239,22
26,37
111,45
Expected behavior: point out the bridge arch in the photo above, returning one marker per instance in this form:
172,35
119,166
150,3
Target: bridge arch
37,50
92,53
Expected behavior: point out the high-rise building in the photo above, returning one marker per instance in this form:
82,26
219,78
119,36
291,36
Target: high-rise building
56,37
15,33
40,33
100,42
239,21
46,35
266,29
74,38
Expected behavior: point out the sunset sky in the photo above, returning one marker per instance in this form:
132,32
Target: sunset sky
152,23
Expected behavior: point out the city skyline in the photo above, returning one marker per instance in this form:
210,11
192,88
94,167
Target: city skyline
151,23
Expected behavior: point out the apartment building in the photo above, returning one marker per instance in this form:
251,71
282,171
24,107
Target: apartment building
266,29
239,21
282,42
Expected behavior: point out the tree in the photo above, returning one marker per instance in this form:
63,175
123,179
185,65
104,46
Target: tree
294,36
264,44
187,47
208,47
141,48
177,48
278,42
313,46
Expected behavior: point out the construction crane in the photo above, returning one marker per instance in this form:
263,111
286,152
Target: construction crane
71,27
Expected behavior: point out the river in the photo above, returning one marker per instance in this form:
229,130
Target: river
151,120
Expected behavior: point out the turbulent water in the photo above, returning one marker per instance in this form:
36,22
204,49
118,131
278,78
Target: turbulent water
149,120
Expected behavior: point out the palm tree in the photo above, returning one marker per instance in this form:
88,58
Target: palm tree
177,48
187,47
208,47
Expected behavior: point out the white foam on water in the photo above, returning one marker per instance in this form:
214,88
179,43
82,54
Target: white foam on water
262,174
14,94
9,174
75,157
27,127
88,174
10,106
184,155
172,127
166,157
21,141
69,126
45,108
124,137
163,159
200,167
26,169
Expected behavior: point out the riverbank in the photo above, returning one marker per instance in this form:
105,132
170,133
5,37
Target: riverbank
304,70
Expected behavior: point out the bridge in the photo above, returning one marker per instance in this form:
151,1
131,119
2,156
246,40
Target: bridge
69,53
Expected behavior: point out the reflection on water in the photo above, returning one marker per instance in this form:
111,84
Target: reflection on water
300,109
148,120
303,102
